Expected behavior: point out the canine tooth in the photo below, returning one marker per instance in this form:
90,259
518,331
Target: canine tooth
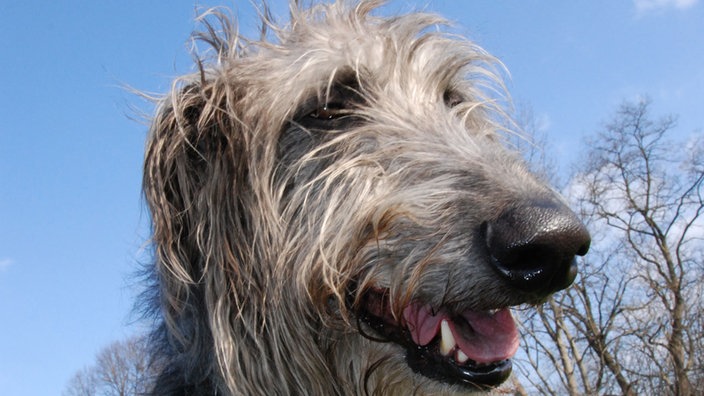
447,340
461,357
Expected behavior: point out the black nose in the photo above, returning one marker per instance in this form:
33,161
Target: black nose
533,246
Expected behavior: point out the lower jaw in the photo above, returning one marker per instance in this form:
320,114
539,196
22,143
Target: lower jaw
423,361
428,362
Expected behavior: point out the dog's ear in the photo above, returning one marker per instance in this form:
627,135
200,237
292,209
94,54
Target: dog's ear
194,180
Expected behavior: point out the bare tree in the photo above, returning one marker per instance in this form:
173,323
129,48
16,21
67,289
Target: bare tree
121,369
83,383
633,323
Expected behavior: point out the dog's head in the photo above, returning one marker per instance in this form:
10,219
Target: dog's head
335,210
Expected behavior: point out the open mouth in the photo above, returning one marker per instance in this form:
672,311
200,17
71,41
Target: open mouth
470,348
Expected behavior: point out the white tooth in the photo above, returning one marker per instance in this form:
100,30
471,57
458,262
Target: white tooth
461,357
447,341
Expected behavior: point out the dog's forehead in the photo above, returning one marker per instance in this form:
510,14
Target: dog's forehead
407,64
317,48
337,44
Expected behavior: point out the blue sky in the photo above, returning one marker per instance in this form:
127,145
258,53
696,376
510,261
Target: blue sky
72,222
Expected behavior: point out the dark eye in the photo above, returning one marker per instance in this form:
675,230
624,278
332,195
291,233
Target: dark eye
452,98
329,111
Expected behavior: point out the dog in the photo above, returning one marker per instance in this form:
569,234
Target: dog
335,211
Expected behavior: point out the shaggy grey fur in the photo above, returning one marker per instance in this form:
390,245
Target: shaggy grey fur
308,188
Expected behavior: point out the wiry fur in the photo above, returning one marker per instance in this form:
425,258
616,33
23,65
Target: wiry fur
269,224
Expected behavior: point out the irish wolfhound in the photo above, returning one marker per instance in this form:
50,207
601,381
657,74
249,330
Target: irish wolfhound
335,213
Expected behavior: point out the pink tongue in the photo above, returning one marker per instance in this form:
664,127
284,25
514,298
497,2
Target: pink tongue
484,338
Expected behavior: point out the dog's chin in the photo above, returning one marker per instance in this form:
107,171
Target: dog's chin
469,348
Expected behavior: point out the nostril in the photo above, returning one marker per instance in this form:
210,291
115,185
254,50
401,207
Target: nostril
533,246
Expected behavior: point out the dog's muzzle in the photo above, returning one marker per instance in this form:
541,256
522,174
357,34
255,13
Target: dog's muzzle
532,248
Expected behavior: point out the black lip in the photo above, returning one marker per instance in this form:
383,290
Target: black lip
427,360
